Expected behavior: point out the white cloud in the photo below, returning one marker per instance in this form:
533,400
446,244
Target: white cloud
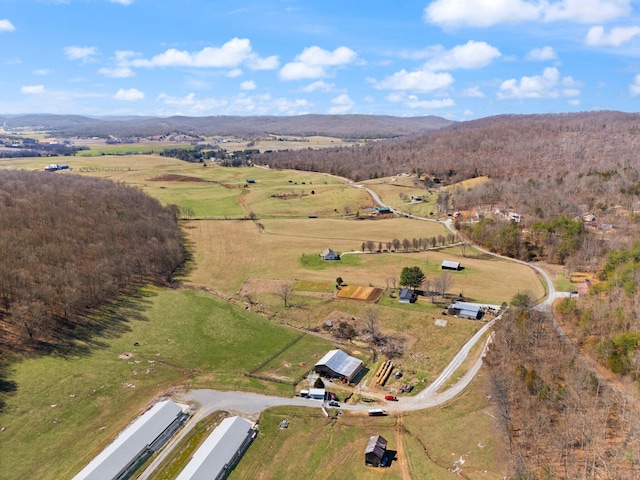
80,53
542,54
634,88
314,61
341,104
6,25
248,85
32,89
122,69
43,71
414,102
117,72
417,81
122,2
474,92
236,72
320,85
470,55
586,11
597,37
241,104
129,95
547,85
232,54
487,13
480,13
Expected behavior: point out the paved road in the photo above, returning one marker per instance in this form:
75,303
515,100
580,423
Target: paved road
251,405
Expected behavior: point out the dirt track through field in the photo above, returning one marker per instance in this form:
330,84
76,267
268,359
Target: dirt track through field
402,458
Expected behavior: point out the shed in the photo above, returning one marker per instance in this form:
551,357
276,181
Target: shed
407,295
375,451
330,254
337,364
473,311
450,265
139,440
221,451
250,180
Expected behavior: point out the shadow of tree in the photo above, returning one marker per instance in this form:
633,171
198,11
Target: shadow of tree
7,387
77,337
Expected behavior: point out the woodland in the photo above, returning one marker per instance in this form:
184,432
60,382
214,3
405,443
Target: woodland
71,244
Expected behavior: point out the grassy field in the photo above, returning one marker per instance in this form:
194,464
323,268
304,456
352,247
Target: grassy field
126,149
427,443
67,409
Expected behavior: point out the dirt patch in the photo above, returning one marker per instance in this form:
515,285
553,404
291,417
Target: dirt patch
256,286
176,178
125,356
360,292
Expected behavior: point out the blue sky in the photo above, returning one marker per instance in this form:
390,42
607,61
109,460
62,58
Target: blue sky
459,59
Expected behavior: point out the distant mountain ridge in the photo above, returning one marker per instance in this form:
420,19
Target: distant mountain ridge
341,126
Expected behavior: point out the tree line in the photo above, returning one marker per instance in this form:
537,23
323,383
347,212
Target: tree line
70,244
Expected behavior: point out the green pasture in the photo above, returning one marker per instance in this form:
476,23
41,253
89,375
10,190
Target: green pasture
243,250
465,427
128,149
68,408
296,360
313,443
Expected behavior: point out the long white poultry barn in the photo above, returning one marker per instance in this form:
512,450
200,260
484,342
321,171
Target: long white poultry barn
147,434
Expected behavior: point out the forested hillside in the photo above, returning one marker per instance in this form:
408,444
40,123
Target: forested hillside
69,244
544,165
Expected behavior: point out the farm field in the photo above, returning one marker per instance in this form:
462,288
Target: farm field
67,409
188,338
313,443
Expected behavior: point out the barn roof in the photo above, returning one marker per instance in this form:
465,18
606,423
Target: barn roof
340,363
377,445
131,442
450,264
467,309
218,450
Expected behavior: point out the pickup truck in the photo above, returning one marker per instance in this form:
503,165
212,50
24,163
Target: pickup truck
391,398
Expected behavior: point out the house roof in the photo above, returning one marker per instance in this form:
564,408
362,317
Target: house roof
218,450
328,251
406,294
340,362
377,445
131,442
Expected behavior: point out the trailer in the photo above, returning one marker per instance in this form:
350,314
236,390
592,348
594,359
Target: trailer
377,412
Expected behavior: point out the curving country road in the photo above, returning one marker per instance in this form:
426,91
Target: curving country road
250,405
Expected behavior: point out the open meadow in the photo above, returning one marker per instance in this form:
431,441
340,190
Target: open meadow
427,444
66,409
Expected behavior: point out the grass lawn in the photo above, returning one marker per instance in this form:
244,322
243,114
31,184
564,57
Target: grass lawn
313,443
68,409
464,428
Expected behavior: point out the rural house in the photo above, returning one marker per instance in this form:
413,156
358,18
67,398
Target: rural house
337,364
329,254
450,265
375,451
472,311
407,295
221,451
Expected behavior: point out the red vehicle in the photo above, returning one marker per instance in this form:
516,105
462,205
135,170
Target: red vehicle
391,398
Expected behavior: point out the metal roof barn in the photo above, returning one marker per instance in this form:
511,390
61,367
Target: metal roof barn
221,451
134,442
374,453
336,363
